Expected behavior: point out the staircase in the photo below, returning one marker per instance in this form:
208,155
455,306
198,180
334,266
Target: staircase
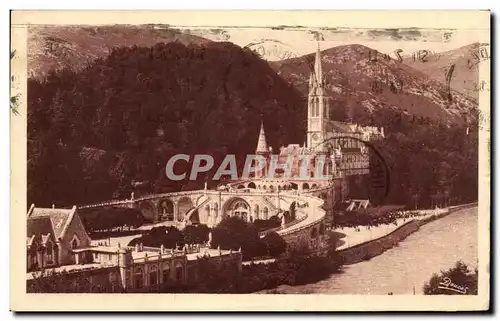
271,204
191,211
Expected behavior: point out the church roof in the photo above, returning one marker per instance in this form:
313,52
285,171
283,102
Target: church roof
58,218
39,228
339,127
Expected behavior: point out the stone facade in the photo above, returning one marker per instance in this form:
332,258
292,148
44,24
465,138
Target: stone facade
142,269
54,237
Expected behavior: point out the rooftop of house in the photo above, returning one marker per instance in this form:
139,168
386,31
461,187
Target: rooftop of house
49,220
41,229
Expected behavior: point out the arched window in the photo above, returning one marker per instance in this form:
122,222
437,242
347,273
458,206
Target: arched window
252,185
138,278
167,210
75,242
179,272
153,275
49,251
34,259
256,211
166,273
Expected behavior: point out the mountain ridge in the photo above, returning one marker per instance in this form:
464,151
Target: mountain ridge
53,48
362,78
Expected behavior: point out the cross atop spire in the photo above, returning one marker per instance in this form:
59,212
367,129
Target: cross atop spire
262,143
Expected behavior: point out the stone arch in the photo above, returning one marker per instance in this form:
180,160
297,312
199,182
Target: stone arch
184,205
314,186
179,271
305,186
314,233
241,186
166,210
252,185
256,211
294,186
199,199
166,272
265,213
237,206
148,211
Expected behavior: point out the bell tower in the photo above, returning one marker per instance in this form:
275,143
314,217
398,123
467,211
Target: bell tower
317,107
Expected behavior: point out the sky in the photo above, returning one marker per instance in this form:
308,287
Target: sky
281,44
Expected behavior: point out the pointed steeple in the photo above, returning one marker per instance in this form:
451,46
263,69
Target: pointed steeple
318,71
262,144
317,105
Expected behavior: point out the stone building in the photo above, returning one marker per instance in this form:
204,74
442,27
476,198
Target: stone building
57,242
332,148
54,237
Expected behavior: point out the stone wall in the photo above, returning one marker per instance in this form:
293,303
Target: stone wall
367,250
304,236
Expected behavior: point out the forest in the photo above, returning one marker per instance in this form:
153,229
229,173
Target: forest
101,132
93,134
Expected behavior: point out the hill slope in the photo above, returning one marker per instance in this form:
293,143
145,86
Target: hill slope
145,104
466,60
56,47
359,83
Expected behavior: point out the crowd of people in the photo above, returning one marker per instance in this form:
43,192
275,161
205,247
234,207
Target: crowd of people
368,219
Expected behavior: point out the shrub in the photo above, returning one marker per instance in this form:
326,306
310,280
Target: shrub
455,281
274,243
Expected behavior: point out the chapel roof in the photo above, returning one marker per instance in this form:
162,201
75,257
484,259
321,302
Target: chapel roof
59,219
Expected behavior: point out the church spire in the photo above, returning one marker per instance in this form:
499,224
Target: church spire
262,144
318,72
317,105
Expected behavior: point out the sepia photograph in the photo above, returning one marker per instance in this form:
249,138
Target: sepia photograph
176,153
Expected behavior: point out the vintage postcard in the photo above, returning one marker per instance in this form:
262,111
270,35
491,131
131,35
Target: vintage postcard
250,161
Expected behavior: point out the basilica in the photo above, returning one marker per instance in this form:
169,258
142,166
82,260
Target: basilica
338,148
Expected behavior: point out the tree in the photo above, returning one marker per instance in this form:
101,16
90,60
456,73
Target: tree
455,281
196,234
274,243
169,237
234,233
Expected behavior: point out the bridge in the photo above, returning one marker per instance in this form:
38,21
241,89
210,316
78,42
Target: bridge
250,200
